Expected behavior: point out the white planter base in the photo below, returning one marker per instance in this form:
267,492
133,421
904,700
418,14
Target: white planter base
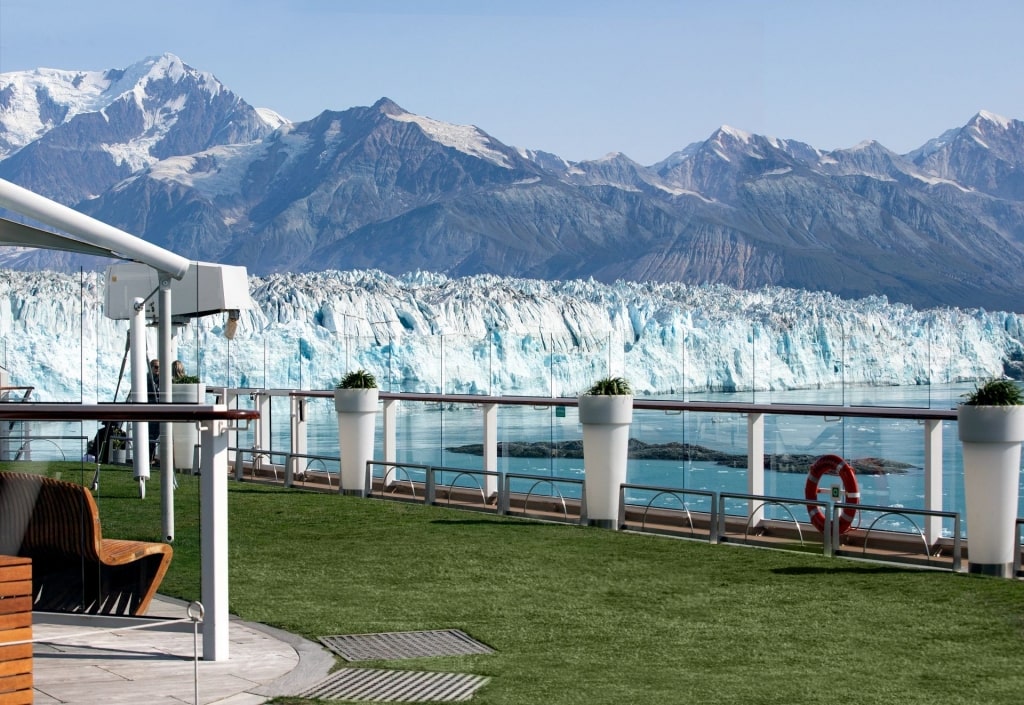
990,489
185,436
606,421
357,419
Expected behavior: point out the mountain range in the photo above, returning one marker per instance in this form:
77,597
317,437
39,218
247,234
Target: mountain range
170,154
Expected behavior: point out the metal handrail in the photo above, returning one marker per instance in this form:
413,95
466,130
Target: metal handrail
678,494
904,511
782,501
431,484
504,500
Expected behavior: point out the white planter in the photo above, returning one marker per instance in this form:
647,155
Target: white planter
357,416
120,456
991,437
184,436
606,421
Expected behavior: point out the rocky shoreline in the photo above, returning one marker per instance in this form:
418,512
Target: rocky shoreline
798,463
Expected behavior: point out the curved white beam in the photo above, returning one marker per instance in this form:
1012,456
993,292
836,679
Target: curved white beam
89,230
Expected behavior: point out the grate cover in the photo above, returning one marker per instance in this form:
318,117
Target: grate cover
369,684
399,645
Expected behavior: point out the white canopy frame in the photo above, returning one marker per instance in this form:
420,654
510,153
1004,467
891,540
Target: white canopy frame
86,235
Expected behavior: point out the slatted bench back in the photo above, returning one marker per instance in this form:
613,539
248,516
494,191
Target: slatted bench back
39,513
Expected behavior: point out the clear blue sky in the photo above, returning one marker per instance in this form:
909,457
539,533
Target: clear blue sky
579,78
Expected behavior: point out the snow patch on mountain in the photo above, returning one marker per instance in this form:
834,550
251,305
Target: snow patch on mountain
465,138
998,120
33,102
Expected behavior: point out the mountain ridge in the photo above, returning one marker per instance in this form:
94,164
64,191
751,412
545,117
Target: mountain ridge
180,160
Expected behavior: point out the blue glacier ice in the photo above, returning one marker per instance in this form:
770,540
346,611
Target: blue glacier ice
493,335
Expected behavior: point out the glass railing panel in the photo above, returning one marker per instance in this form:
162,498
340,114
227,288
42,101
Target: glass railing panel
664,454
576,362
468,362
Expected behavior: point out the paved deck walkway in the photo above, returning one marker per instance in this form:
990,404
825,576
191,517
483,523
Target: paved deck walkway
156,666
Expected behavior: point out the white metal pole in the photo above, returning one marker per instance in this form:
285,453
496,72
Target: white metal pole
213,527
166,459
755,463
490,449
933,478
140,388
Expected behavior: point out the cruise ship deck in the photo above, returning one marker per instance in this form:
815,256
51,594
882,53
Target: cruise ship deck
79,661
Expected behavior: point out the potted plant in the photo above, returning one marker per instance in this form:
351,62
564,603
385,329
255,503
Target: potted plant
120,450
185,389
990,424
606,411
355,402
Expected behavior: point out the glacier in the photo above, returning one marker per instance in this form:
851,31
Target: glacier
426,332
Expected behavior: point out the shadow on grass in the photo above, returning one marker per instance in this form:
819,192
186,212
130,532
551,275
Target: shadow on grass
489,522
827,570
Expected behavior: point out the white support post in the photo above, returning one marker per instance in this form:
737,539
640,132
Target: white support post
933,478
140,389
229,398
214,539
166,453
755,464
490,449
299,440
262,441
390,440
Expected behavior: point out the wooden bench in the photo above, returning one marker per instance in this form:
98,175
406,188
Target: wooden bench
75,569
15,626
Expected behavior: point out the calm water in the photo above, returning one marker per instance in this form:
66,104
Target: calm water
425,434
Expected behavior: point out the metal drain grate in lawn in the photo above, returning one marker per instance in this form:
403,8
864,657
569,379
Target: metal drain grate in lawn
399,645
370,684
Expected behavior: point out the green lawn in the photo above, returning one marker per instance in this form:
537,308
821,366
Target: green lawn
590,616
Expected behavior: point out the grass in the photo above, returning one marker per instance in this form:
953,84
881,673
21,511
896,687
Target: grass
589,616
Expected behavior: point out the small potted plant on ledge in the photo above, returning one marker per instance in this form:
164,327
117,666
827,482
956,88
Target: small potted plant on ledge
355,402
606,411
990,424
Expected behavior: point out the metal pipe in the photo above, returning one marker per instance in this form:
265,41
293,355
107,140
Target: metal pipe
90,230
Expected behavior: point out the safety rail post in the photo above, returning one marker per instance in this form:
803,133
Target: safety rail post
755,463
430,486
933,479
957,544
1016,546
490,412
505,496
298,443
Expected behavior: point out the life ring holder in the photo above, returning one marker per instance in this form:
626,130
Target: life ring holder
832,465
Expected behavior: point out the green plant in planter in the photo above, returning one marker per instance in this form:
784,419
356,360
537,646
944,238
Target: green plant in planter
995,392
610,386
186,379
360,379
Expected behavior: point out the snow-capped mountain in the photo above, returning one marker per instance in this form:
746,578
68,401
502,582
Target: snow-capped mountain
486,334
70,135
379,187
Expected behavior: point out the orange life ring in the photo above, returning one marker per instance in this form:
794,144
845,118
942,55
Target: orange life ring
832,465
